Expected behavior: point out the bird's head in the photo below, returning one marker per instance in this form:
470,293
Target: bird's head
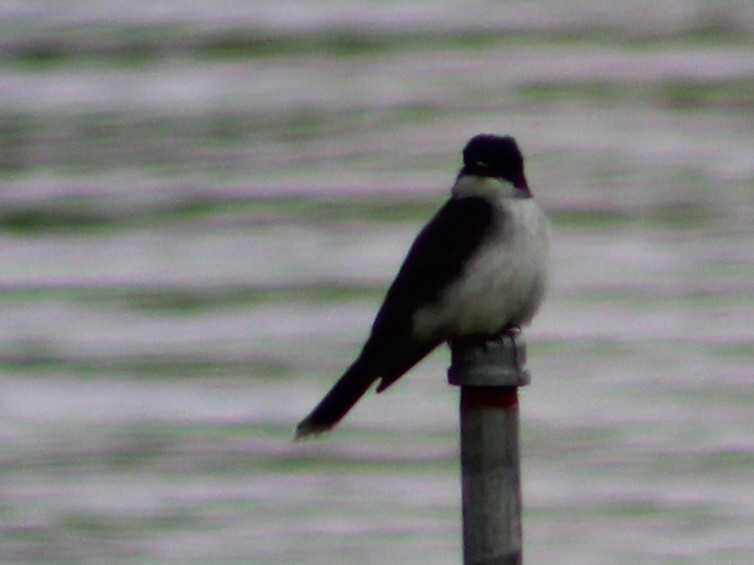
495,157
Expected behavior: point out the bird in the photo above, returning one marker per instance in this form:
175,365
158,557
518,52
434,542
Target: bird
479,267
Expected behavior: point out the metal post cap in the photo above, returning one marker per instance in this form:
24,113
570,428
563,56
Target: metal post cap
489,361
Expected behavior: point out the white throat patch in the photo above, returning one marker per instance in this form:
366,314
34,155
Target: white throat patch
486,187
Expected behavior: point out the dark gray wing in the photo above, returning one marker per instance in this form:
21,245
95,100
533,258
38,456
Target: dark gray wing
436,258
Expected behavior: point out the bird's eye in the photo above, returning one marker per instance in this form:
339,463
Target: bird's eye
481,164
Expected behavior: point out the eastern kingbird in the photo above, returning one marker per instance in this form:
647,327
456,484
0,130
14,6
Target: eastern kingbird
479,268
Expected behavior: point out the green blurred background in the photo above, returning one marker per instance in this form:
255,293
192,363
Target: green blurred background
202,204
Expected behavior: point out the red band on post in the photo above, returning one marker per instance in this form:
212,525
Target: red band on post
489,396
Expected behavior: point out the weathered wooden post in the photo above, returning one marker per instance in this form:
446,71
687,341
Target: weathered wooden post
489,372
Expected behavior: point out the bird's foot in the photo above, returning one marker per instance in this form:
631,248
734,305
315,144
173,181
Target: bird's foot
472,340
511,331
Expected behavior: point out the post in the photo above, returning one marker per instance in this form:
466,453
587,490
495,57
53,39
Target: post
489,371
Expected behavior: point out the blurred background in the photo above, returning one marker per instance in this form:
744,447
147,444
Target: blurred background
202,204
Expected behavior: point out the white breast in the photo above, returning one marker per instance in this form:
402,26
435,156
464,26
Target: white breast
503,284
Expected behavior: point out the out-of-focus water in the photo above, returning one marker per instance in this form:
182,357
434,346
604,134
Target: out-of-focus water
201,207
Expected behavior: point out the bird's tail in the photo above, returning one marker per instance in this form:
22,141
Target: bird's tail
336,404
